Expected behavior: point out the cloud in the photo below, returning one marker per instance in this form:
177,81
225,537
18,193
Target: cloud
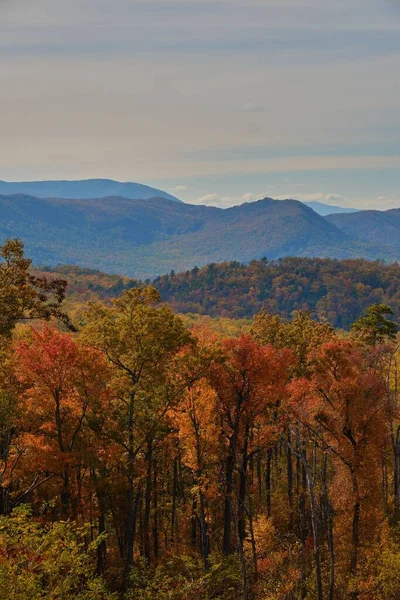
285,86
386,202
209,200
180,188
332,199
252,108
226,201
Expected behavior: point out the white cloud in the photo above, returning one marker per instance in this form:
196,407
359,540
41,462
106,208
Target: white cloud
385,202
249,197
180,188
252,108
226,201
333,199
223,201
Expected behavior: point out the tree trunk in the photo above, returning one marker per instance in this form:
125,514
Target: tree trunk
174,495
204,531
327,509
130,524
289,465
396,473
147,502
155,508
194,524
102,547
242,488
242,558
259,480
355,538
314,525
65,493
226,544
268,481
253,540
130,533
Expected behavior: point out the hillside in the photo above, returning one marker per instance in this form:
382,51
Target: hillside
144,238
372,226
86,188
338,291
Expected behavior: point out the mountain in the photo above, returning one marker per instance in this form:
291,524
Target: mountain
372,226
328,209
84,189
143,238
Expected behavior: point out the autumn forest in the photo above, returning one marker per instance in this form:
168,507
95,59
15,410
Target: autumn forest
144,456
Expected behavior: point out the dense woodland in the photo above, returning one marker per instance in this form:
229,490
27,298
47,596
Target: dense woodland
337,291
141,458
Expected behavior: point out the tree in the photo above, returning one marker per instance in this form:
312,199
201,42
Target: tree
344,403
24,296
373,327
61,379
196,422
249,383
140,337
301,334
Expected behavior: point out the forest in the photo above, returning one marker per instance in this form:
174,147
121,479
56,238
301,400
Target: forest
146,456
337,291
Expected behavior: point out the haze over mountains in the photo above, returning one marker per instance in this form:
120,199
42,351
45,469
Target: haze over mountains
329,209
85,188
147,237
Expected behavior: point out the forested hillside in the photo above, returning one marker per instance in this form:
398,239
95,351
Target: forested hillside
145,238
332,290
143,460
371,225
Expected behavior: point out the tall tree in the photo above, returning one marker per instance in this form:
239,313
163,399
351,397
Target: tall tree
61,379
345,399
140,337
24,296
249,382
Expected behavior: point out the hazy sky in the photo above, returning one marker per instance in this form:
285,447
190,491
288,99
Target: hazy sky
216,101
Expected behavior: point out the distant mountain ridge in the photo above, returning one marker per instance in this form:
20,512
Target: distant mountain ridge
83,189
372,226
145,238
329,209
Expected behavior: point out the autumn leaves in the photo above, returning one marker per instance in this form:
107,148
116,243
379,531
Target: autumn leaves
263,465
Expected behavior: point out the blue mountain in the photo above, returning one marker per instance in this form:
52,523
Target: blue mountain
83,189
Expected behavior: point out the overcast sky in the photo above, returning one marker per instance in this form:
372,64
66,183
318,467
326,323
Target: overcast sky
217,101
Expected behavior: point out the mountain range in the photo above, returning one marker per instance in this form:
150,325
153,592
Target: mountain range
83,189
329,209
147,237
372,226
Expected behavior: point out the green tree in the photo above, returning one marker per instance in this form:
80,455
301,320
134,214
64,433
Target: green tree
302,335
141,338
23,296
373,327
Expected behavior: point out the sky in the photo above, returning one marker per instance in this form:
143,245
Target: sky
218,102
